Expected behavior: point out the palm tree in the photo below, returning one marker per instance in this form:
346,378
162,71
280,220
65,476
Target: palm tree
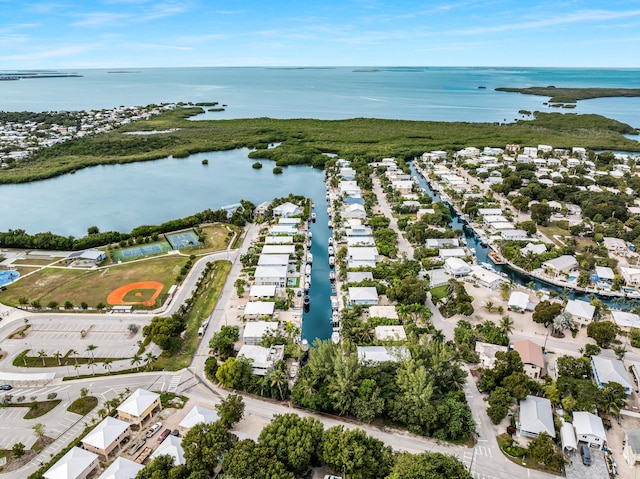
74,353
489,306
102,412
561,322
506,325
278,378
136,360
90,364
107,364
42,354
58,355
438,336
505,289
148,359
77,366
91,348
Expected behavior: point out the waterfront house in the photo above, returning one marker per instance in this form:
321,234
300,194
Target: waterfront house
262,359
278,240
75,464
362,257
486,278
273,259
107,437
531,356
171,446
445,253
441,242
402,186
363,296
518,301
631,276
514,235
390,333
564,264
615,245
254,331
631,448
382,354
536,417
259,309
289,221
286,230
489,211
354,211
139,407
535,249
347,173
581,311
604,274
361,241
487,353
589,429
275,275
279,249
358,276
456,267
349,188
610,370
342,163
121,468
286,210
262,291
196,415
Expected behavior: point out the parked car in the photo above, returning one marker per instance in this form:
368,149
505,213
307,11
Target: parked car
586,455
175,433
153,429
136,447
164,435
6,387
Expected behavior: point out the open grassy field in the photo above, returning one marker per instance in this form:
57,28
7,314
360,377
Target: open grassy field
35,261
204,305
91,287
216,238
552,230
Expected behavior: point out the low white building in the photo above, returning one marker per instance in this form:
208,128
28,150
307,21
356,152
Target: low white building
625,320
271,275
615,245
381,354
486,278
196,415
257,309
610,370
589,429
286,210
536,417
106,437
254,331
518,301
262,358
365,257
456,267
445,253
388,312
390,333
564,264
121,468
358,276
631,449
273,259
279,248
487,353
581,311
363,296
604,274
533,248
631,276
75,464
262,291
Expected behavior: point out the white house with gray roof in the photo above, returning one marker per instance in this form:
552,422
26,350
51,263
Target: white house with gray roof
536,417
581,311
610,370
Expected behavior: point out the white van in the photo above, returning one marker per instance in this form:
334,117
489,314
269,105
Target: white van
153,429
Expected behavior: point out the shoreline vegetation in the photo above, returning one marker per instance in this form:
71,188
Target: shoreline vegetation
304,141
572,95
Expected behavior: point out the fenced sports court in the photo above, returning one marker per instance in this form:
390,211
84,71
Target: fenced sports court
185,239
139,251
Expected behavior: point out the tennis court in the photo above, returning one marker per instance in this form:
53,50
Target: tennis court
185,239
133,252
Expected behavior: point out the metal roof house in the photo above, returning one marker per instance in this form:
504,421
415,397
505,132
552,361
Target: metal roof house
121,468
610,370
581,311
363,296
631,449
536,417
107,436
75,464
197,415
589,429
381,354
171,446
261,358
138,407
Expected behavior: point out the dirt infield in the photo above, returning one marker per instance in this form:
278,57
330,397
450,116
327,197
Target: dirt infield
117,296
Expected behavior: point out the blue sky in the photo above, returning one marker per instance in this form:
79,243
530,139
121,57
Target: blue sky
144,33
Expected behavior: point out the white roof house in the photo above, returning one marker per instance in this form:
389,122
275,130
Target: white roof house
518,301
614,245
354,211
278,240
610,370
75,464
261,358
106,436
625,320
381,354
533,248
121,468
589,429
197,415
604,273
388,312
138,406
289,221
279,249
171,446
362,257
288,230
390,333
286,210
367,295
581,311
92,254
445,253
489,211
562,264
262,291
259,308
273,259
631,276
536,417
456,267
271,275
253,331
514,235
486,278
358,276
361,241
487,353
631,449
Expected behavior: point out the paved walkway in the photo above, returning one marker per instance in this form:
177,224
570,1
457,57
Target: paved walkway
404,247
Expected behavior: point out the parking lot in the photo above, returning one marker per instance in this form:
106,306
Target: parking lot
597,469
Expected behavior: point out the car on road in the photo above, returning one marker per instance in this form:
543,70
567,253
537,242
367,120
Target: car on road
153,429
164,435
6,387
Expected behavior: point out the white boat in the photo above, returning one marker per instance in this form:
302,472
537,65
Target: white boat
335,337
307,279
334,303
330,224
330,250
487,266
332,276
332,261
330,240
307,286
309,258
310,234
307,269
329,211
313,217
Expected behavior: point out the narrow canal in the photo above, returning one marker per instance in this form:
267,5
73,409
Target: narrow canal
459,224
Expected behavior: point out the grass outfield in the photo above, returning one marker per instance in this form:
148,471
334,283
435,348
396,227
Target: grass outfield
91,287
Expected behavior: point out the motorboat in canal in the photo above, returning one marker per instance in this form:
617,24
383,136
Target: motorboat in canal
332,276
330,240
309,258
332,261
330,224
331,251
313,217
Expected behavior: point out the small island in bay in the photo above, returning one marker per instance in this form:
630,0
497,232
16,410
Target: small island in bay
572,95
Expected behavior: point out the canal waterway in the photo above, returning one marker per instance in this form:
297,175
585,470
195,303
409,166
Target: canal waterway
473,241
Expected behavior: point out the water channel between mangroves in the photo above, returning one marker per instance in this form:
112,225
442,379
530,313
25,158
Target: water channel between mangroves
121,197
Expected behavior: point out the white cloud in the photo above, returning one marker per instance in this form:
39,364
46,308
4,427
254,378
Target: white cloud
40,54
100,19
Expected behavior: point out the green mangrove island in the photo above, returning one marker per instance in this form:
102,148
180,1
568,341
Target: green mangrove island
303,141
572,95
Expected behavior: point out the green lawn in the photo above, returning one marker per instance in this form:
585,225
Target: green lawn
438,293
91,287
551,230
216,239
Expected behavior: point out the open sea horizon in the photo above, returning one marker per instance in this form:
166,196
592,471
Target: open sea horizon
328,93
